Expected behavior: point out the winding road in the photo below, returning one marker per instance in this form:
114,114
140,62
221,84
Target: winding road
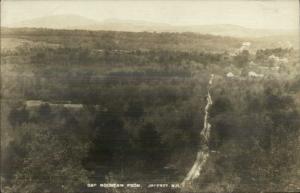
203,152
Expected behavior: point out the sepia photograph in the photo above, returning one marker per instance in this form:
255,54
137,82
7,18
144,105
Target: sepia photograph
150,96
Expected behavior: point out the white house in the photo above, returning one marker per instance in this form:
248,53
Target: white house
230,75
255,75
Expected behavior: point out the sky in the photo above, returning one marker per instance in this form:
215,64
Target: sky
267,14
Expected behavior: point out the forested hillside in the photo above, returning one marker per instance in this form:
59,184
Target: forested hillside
82,107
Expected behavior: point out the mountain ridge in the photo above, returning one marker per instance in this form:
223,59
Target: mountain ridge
73,21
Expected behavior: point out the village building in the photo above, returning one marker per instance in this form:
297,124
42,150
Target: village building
230,75
255,75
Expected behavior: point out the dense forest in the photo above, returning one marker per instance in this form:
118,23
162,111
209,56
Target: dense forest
83,107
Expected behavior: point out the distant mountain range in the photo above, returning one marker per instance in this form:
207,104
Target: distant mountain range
79,22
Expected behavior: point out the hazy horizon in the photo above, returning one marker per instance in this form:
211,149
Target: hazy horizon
248,14
113,19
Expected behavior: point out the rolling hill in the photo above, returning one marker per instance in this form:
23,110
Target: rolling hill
80,22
